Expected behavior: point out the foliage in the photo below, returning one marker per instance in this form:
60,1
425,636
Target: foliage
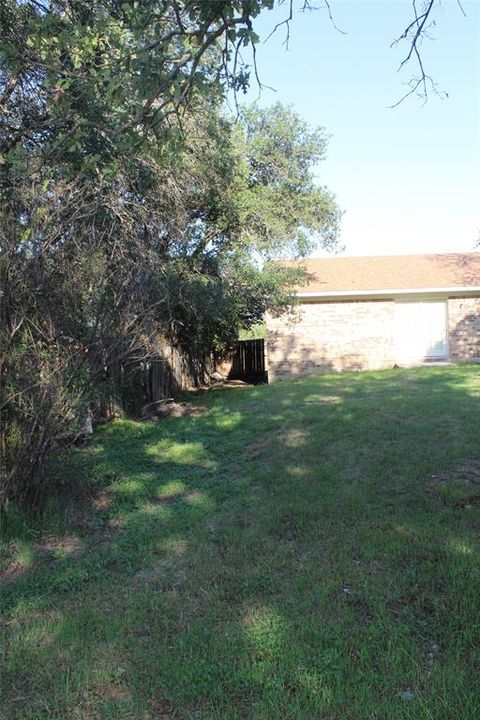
302,550
284,210
131,205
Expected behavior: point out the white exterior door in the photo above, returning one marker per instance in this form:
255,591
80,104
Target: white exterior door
421,330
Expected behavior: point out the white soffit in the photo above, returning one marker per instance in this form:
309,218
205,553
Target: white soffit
389,293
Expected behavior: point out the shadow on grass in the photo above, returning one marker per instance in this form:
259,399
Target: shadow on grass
289,553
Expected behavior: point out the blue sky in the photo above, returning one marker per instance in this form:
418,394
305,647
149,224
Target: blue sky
408,179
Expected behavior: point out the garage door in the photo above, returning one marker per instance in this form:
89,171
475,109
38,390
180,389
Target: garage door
421,330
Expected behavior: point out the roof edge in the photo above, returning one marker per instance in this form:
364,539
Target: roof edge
389,292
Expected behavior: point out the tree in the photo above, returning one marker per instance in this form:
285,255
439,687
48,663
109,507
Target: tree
284,211
254,200
94,101
130,205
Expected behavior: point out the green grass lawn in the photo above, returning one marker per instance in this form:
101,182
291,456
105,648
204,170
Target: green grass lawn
303,550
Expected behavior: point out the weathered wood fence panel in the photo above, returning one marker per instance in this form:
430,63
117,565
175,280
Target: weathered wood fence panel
248,361
134,384
157,378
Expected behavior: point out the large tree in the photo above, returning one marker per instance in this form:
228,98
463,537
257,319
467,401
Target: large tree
131,205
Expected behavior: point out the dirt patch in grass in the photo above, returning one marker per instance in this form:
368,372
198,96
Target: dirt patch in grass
70,545
114,692
104,534
101,501
468,473
186,409
220,386
293,438
50,548
160,710
459,487
46,640
12,572
174,409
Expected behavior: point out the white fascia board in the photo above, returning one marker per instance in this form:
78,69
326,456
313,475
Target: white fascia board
389,293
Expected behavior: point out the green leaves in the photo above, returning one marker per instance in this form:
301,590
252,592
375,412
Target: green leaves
283,210
131,206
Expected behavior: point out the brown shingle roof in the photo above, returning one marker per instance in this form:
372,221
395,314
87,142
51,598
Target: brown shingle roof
390,272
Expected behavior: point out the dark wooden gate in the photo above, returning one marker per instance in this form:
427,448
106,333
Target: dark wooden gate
249,361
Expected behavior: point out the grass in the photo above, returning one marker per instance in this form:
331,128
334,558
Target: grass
306,550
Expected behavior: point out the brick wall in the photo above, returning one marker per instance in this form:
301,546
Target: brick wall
331,336
358,335
464,328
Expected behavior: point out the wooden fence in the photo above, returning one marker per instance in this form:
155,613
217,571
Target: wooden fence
248,361
133,385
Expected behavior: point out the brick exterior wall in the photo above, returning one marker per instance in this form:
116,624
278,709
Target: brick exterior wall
356,335
331,336
464,329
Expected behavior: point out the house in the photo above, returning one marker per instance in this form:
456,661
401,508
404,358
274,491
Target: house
366,313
